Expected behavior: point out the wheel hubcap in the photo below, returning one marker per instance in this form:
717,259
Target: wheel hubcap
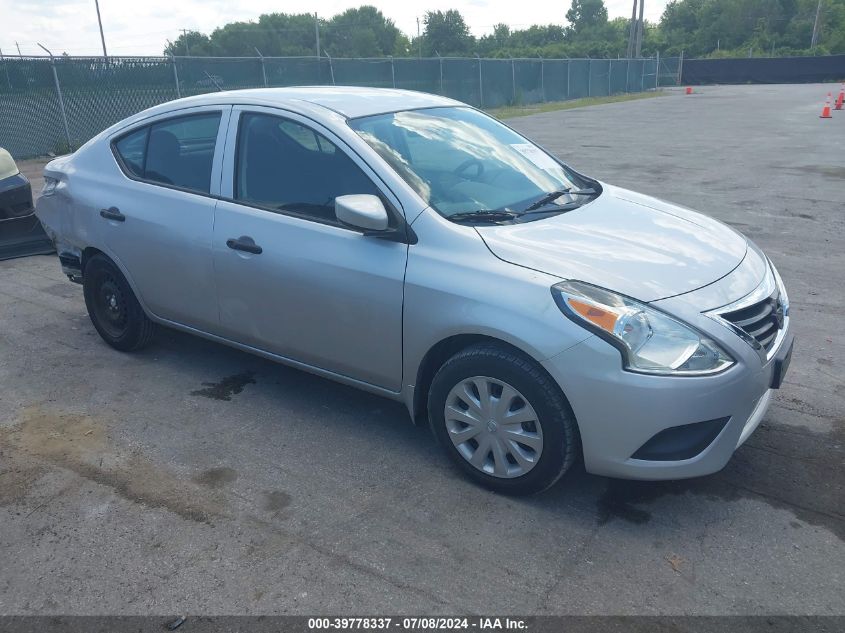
493,427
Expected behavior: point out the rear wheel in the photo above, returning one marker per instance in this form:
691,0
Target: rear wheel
502,419
114,310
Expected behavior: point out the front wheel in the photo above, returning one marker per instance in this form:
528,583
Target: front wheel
502,420
114,310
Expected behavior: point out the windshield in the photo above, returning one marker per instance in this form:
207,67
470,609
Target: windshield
461,161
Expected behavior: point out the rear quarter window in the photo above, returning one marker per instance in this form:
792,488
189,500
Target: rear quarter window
131,149
177,152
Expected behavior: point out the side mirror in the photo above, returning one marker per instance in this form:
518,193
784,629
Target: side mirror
362,211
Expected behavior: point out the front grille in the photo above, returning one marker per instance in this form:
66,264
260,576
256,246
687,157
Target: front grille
761,320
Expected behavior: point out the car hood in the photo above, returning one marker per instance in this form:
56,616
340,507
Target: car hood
624,241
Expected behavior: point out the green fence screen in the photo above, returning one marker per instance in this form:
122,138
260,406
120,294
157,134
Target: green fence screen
53,105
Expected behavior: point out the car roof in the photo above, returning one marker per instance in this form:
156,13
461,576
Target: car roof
348,101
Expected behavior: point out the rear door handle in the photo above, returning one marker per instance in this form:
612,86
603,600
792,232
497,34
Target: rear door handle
113,213
244,243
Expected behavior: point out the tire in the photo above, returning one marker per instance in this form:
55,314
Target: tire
113,308
511,466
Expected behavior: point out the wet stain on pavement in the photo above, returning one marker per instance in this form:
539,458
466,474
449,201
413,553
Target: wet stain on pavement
276,500
216,477
227,387
621,498
16,481
81,444
823,170
787,467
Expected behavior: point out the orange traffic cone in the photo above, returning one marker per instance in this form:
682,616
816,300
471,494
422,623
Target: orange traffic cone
689,90
826,109
841,98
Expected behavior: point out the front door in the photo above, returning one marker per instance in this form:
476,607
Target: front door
290,279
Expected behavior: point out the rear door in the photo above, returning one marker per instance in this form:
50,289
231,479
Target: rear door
158,222
308,289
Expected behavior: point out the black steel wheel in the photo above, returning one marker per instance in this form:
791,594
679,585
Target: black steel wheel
114,310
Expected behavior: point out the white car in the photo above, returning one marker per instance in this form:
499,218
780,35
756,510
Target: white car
415,247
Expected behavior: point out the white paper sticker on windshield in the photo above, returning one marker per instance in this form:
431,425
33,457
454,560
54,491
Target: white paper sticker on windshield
536,155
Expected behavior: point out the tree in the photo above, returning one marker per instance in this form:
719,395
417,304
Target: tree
190,43
725,28
538,36
446,33
585,14
498,42
361,32
237,39
286,34
275,34
403,46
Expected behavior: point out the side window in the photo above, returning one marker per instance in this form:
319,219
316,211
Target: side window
309,139
180,151
177,152
132,149
285,166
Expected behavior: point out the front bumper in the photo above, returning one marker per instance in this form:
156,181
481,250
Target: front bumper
15,197
619,411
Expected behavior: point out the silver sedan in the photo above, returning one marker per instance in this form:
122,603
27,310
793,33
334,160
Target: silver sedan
412,246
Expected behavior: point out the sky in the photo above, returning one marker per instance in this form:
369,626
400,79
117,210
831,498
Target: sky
143,27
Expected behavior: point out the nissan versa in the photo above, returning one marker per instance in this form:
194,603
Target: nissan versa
412,246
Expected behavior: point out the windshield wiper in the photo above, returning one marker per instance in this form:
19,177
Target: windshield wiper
554,195
484,215
559,208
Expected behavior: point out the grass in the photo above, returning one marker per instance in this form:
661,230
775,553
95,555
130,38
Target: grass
509,112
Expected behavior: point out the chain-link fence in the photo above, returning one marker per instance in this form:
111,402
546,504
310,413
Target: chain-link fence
53,105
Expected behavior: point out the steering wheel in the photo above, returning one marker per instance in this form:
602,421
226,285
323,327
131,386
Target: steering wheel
470,162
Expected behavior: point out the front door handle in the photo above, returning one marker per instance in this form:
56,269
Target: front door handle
244,243
113,213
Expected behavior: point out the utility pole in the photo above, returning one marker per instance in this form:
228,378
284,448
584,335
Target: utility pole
640,26
419,40
19,50
187,48
632,31
317,33
100,22
815,38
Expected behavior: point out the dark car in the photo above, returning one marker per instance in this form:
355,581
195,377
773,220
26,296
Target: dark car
20,231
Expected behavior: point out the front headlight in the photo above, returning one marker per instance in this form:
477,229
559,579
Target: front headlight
783,299
650,341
